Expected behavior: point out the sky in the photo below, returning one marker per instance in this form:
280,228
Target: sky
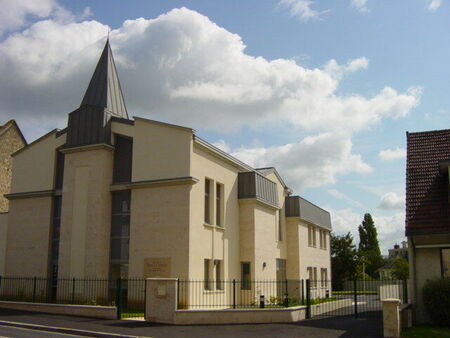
325,90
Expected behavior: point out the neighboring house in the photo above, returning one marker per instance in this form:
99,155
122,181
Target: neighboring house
385,272
111,196
399,251
11,140
427,210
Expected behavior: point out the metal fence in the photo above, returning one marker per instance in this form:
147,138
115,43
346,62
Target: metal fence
128,295
318,296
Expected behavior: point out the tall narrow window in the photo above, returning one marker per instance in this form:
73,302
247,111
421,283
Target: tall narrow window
310,274
59,172
207,201
323,277
313,236
219,193
218,267
280,228
445,253
120,233
207,276
245,276
123,158
324,240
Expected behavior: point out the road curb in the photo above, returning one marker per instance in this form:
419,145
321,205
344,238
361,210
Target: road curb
85,333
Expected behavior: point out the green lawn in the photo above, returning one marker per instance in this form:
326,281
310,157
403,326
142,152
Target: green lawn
426,332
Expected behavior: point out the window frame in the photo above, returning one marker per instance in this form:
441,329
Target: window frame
246,282
207,200
220,207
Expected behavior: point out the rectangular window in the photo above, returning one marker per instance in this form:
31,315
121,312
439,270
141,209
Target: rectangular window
207,276
323,277
310,275
324,240
123,158
315,277
280,222
120,232
207,201
311,236
218,267
445,262
245,276
59,172
314,236
219,198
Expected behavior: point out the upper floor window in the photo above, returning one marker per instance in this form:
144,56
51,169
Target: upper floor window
311,236
123,158
323,239
280,223
59,175
207,201
219,207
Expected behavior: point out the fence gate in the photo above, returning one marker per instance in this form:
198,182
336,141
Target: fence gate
355,298
130,295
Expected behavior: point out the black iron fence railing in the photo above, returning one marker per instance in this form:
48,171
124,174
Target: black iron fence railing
128,295
318,297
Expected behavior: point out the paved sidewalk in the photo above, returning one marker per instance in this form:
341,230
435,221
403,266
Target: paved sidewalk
324,328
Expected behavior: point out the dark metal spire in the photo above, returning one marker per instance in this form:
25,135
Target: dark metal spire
104,89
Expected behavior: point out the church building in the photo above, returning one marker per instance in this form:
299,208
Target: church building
113,196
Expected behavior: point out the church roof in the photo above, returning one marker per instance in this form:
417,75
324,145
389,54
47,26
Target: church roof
104,88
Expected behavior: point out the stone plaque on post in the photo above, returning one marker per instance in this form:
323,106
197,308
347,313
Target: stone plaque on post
157,267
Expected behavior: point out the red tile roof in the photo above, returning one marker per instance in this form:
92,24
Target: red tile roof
427,190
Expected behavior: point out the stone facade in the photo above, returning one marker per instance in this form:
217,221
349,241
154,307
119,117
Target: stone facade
11,140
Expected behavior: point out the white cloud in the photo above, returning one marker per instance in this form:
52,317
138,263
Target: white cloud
392,154
390,228
314,161
222,145
360,5
433,5
337,194
301,9
183,68
391,200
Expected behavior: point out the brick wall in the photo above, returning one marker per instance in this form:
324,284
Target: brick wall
10,141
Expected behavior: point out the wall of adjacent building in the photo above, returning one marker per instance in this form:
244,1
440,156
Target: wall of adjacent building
29,219
10,142
3,232
427,266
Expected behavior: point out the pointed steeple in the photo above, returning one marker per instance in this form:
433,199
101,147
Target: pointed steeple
91,122
104,89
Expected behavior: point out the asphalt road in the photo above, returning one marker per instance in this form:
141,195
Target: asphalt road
6,331
332,327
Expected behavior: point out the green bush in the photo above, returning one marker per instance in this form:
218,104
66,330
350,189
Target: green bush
436,298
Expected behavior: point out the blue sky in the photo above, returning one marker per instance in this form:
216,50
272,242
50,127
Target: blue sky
324,90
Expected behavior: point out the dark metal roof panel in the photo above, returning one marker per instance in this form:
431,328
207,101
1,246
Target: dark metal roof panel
297,206
104,89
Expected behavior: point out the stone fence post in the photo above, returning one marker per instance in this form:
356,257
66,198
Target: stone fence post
161,300
391,317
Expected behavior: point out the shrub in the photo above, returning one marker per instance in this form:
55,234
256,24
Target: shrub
436,298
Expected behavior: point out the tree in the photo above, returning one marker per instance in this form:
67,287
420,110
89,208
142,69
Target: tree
343,259
369,248
400,268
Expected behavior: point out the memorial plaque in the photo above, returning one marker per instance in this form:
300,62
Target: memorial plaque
157,267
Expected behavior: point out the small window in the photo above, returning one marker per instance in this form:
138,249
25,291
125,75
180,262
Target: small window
314,236
311,236
218,267
245,276
324,240
315,277
207,201
219,198
207,277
